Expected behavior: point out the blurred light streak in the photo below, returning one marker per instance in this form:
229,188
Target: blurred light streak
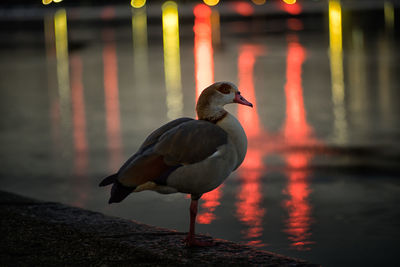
357,77
294,24
243,8
111,97
389,14
172,65
248,116
79,131
57,1
61,40
297,132
336,60
138,3
203,50
249,208
79,117
216,28
204,74
107,13
296,126
259,2
140,46
46,2
298,224
294,8
249,198
211,2
55,116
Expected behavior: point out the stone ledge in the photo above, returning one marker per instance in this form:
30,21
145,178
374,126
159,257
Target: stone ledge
36,233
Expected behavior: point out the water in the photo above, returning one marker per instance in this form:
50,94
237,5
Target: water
320,180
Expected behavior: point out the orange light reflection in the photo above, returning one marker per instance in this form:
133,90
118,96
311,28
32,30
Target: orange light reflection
79,129
249,197
113,127
296,127
204,73
203,50
297,131
79,117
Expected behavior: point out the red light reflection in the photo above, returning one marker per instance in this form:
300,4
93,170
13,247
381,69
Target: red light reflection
243,8
294,24
296,127
113,127
79,117
203,50
204,72
249,209
79,129
297,131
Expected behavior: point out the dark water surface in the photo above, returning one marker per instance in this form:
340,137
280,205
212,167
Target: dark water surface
321,176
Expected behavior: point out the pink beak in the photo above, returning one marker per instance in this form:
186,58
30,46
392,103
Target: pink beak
241,100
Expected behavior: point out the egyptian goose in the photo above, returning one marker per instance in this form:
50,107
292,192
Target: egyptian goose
187,155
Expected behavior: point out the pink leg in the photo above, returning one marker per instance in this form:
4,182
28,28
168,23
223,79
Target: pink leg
190,239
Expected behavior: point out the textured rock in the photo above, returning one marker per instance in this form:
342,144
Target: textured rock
38,233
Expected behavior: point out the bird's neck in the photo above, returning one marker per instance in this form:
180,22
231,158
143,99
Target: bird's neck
211,113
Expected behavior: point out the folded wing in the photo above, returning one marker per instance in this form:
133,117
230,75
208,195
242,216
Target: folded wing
168,148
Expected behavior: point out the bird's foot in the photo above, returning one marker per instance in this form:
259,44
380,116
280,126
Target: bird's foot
191,241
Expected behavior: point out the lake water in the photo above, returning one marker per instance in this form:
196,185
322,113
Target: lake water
80,89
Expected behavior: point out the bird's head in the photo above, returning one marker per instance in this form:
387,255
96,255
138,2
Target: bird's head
214,97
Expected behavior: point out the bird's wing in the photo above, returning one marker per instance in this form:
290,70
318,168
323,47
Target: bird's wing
188,142
152,139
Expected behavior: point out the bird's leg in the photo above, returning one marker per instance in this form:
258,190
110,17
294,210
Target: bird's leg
190,239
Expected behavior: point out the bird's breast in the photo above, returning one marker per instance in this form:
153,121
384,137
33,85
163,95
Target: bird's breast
237,135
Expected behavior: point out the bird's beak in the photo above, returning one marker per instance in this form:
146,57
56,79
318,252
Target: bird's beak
241,100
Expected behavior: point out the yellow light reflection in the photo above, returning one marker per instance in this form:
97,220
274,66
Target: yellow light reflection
139,39
216,26
46,2
172,65
211,2
138,3
336,58
57,1
357,74
389,14
54,107
61,39
289,2
259,2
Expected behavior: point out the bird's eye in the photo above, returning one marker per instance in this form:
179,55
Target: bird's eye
225,88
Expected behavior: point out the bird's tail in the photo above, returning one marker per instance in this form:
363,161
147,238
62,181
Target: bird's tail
109,180
118,191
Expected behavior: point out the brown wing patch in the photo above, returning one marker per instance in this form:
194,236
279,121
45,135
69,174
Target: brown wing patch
146,168
225,88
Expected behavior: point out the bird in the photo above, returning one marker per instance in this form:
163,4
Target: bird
186,155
